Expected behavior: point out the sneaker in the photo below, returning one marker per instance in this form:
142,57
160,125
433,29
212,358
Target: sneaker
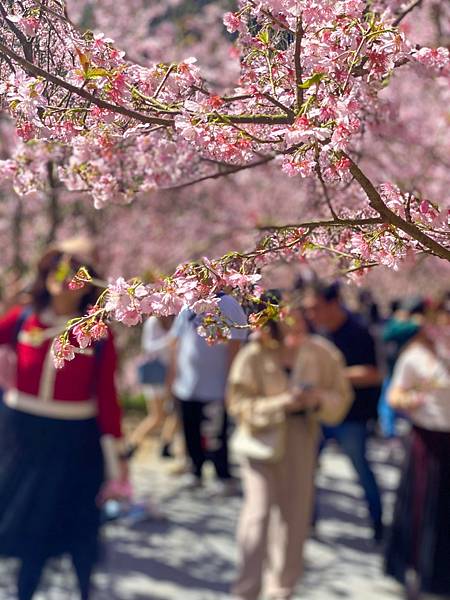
129,452
226,487
189,481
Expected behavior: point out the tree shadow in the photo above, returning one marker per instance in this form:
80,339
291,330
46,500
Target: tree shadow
191,555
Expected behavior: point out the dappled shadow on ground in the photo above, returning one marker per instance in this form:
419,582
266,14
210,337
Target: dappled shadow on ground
191,555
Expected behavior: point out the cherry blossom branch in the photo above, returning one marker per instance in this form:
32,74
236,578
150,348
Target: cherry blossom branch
32,69
359,268
389,216
36,71
256,119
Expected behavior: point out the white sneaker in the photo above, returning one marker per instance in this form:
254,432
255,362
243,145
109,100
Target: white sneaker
189,481
226,487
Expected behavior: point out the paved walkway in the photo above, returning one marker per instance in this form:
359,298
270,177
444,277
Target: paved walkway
191,556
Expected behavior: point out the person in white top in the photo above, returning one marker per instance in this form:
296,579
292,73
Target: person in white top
156,343
421,385
418,550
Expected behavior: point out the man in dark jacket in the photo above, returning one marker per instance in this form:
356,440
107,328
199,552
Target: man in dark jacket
326,312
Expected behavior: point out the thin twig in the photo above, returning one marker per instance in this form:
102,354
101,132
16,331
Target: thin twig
298,64
163,81
266,13
257,119
224,173
277,103
329,223
324,186
411,6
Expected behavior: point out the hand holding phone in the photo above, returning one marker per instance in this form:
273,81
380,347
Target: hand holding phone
304,399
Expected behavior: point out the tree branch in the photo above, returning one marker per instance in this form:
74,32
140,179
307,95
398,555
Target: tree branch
298,64
329,223
324,186
411,6
257,119
32,69
284,108
53,204
26,46
225,173
163,81
392,218
36,71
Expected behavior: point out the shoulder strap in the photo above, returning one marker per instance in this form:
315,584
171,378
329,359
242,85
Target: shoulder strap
98,351
24,314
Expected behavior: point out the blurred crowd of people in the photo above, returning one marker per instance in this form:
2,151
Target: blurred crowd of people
272,398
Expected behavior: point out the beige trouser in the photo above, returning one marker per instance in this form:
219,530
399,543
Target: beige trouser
276,514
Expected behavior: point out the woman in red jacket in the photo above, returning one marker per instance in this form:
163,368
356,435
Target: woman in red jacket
52,426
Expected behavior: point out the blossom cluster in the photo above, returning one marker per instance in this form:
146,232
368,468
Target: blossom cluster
193,286
310,72
311,76
80,333
314,75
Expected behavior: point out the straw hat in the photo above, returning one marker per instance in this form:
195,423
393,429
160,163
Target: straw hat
83,249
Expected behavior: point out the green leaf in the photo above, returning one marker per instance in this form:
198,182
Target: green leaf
95,72
264,36
316,78
309,246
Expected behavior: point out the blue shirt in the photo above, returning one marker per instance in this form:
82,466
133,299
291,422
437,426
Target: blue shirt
201,369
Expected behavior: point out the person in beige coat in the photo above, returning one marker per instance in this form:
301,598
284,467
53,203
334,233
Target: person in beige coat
278,396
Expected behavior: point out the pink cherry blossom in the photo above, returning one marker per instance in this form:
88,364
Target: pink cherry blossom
322,110
63,351
232,22
82,335
435,58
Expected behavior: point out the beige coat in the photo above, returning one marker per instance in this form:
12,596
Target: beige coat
278,496
258,386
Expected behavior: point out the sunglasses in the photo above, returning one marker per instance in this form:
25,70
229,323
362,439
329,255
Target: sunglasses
64,266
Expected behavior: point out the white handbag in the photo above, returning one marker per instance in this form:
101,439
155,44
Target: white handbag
265,445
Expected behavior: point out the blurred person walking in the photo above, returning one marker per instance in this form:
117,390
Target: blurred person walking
396,332
51,423
325,310
418,549
199,373
153,373
278,393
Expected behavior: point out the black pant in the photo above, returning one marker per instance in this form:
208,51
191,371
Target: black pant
205,426
31,567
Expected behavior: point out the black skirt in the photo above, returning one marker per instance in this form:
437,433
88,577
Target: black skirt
51,471
420,533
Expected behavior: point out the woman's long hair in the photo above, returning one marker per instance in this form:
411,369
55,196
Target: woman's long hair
40,297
